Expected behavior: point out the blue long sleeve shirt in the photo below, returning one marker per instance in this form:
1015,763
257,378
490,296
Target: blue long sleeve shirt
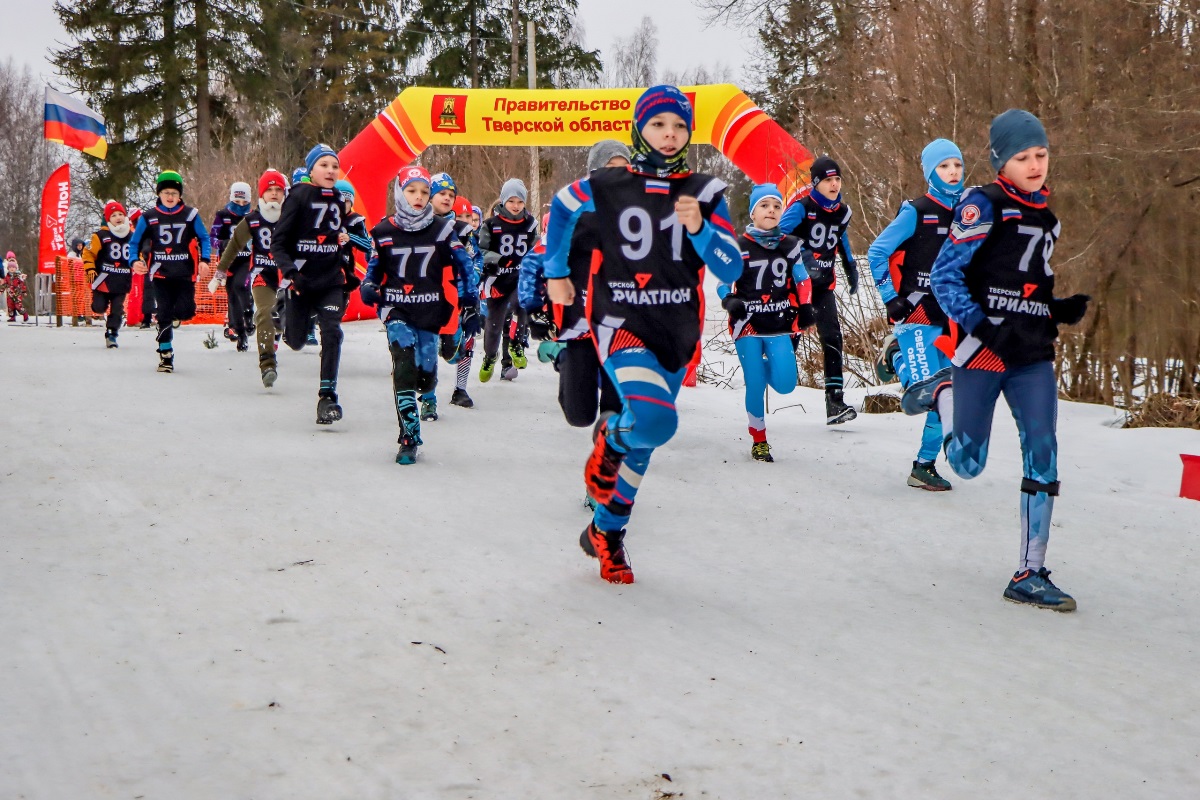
897,232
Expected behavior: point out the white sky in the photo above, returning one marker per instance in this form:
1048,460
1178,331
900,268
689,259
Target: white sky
683,39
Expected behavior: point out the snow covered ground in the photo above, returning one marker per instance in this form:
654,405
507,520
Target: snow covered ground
205,595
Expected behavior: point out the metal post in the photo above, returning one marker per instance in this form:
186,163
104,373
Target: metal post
535,188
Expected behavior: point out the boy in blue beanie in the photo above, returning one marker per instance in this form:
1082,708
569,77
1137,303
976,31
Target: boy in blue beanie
820,220
993,279
900,261
658,227
767,305
307,248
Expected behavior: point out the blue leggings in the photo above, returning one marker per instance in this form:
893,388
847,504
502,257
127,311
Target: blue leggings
766,361
647,420
414,369
1032,396
916,360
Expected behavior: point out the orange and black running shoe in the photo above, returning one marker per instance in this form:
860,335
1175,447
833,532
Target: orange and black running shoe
600,472
609,547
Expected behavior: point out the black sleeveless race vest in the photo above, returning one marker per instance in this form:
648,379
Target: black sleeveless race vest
113,271
821,232
417,275
767,287
263,270
1010,277
646,289
172,238
913,259
512,239
224,223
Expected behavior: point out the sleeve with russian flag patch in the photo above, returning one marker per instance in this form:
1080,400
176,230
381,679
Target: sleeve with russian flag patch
716,244
947,278
571,202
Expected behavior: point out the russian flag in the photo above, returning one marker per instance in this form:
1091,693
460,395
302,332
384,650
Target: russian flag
71,123
658,187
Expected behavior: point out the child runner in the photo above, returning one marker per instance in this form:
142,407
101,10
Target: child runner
237,288
767,305
255,232
107,261
584,389
15,287
658,226
174,240
993,279
900,262
412,279
505,238
307,251
355,237
820,220
454,346
470,327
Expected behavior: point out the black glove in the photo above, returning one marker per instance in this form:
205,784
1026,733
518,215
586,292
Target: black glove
851,270
805,316
1069,310
298,281
735,306
352,281
468,319
369,292
898,309
994,337
541,327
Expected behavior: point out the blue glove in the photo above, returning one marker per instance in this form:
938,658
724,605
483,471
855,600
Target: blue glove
470,321
369,292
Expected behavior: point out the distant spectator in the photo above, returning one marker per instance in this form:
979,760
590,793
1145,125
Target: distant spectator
14,286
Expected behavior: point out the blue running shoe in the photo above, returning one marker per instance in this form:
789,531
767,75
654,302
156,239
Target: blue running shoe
922,395
1035,589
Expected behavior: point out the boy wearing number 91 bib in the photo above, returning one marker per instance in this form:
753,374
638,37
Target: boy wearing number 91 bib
992,277
106,260
412,280
173,237
658,226
307,248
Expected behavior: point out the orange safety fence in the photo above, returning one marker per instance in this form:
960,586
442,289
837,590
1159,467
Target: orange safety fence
73,295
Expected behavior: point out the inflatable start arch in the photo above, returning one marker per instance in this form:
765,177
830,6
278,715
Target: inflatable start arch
421,117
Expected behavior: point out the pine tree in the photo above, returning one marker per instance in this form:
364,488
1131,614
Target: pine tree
148,66
321,70
453,49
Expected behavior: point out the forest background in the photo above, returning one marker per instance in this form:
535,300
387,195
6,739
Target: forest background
224,89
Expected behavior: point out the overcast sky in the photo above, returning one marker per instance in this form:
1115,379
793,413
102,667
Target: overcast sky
32,29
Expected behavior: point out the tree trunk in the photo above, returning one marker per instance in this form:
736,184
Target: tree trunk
514,64
203,105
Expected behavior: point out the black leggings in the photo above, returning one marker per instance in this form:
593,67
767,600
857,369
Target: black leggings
496,329
241,303
829,330
328,305
580,380
176,300
111,302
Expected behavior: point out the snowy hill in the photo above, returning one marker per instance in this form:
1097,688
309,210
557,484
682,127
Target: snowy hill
205,595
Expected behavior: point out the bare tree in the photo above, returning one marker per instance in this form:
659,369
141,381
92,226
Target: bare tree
634,60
